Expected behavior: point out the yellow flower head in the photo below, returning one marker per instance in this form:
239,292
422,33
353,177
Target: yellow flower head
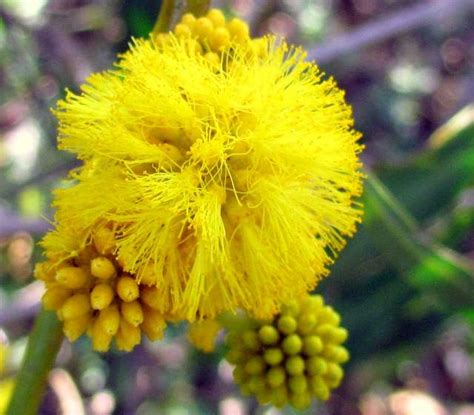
291,359
223,170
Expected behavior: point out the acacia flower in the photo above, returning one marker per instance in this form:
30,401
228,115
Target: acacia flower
291,359
219,172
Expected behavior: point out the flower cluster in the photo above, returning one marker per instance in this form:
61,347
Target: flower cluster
219,173
93,294
292,358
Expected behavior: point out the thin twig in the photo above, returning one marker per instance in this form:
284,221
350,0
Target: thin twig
426,12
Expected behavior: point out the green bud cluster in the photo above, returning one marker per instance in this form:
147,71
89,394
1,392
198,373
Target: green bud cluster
292,359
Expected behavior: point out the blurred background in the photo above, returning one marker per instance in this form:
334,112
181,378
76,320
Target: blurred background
403,283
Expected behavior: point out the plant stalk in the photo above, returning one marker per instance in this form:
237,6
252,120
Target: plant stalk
43,345
172,10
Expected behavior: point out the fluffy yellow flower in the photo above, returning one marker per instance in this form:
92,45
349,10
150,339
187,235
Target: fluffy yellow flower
224,168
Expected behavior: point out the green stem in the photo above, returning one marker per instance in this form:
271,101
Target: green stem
172,10
43,346
197,7
164,21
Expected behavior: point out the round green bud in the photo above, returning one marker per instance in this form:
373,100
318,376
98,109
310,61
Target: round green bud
329,316
298,384
250,340
340,355
264,396
293,308
316,365
295,365
312,345
268,335
276,376
332,383
306,323
256,383
255,365
235,356
300,401
313,303
273,356
325,332
239,375
287,324
280,396
292,344
339,335
334,371
319,388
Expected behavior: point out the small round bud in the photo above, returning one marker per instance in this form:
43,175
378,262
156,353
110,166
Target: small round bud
54,297
239,30
268,335
132,312
276,376
127,289
219,39
100,339
127,336
235,356
109,319
273,356
74,328
203,27
255,365
334,371
75,306
101,296
298,384
104,240
300,400
216,17
151,297
188,19
292,309
319,388
182,30
250,340
295,365
154,324
72,277
312,345
280,396
316,366
306,322
292,344
256,383
102,268
287,324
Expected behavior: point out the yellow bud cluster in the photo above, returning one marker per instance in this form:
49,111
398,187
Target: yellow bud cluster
92,294
211,35
293,358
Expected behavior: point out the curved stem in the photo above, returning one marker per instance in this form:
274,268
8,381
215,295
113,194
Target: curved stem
43,345
171,10
163,23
